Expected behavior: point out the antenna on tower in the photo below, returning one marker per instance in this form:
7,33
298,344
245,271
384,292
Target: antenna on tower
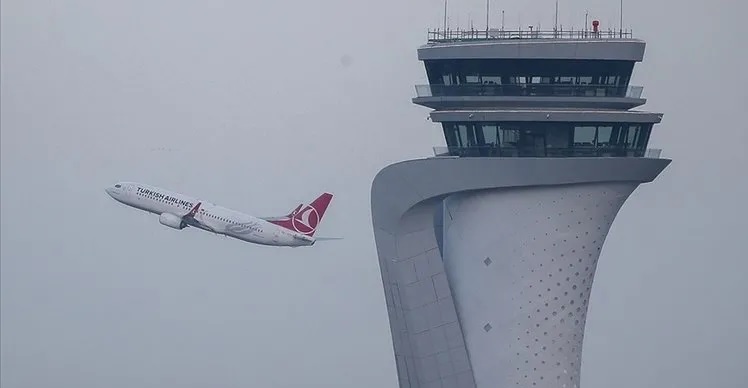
445,16
502,20
487,15
555,24
620,31
586,15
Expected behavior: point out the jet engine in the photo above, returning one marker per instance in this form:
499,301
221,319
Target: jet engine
172,221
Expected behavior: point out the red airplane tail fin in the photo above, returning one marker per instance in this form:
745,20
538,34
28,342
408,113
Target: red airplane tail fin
305,219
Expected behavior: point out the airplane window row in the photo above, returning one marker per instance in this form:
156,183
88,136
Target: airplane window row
213,216
185,207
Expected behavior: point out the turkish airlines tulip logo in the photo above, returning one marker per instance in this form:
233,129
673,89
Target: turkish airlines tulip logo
306,221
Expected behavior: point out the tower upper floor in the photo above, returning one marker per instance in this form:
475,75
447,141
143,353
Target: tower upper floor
536,93
575,69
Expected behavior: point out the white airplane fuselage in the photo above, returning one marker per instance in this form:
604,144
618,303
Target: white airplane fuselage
173,209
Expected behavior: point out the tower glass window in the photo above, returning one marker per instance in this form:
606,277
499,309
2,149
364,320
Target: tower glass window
529,77
542,139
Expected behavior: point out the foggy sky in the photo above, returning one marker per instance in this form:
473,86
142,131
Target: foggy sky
259,106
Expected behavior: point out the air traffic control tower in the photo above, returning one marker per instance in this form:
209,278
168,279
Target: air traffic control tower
488,249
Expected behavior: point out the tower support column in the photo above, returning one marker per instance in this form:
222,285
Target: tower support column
439,298
520,264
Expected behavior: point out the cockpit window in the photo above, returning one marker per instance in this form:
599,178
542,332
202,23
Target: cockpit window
118,185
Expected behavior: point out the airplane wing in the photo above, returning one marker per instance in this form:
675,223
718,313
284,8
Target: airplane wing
190,220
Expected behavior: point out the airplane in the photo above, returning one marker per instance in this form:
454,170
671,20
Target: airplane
180,211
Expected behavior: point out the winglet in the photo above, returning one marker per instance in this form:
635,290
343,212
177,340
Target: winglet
194,210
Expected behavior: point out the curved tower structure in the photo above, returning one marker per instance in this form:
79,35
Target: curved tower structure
488,250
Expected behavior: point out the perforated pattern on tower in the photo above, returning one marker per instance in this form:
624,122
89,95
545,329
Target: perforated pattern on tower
521,263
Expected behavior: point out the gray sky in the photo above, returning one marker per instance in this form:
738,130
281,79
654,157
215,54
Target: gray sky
261,105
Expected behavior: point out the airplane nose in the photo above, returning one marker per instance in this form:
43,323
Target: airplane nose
109,191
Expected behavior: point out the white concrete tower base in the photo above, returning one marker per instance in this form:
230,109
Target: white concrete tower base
520,264
487,263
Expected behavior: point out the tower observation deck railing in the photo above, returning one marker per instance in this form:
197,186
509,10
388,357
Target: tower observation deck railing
525,90
532,152
442,36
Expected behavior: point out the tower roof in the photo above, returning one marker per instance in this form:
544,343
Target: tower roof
500,44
